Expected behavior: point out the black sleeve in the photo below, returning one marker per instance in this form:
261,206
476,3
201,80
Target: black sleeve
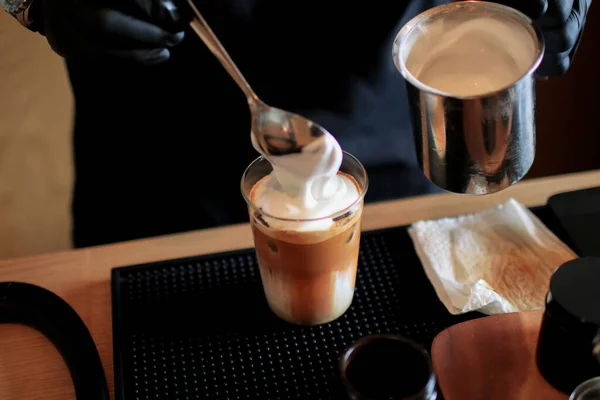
36,15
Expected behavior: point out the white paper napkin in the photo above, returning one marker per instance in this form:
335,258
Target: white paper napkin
497,261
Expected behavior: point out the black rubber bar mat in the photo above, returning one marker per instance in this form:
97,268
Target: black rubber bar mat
200,328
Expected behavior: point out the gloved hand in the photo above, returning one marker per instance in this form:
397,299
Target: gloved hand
561,22
141,31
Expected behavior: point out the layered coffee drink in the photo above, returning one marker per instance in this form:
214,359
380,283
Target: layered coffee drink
305,212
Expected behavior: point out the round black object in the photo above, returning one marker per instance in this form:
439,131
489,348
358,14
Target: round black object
31,305
571,325
575,287
383,366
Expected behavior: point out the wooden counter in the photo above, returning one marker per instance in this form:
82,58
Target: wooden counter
31,368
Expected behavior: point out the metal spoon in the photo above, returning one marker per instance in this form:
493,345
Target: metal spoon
275,131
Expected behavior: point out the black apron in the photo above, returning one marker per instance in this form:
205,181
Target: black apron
162,149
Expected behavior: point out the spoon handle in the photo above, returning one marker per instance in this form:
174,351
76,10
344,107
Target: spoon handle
202,29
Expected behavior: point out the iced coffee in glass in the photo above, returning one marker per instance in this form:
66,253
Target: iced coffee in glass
305,214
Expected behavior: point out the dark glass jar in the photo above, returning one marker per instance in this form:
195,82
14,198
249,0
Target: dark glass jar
387,367
568,337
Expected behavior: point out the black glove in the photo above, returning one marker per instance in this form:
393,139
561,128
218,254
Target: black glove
561,22
136,30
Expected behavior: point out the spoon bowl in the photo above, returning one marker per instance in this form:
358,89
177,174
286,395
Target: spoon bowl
277,132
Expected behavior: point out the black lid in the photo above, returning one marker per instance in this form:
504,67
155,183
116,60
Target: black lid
575,286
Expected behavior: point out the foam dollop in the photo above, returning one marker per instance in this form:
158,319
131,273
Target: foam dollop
305,185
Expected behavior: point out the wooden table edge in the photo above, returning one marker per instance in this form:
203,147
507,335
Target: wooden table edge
82,276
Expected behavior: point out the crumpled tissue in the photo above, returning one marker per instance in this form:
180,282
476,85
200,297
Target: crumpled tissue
496,261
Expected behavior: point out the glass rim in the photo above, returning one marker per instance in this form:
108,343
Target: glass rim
361,195
405,31
349,353
585,388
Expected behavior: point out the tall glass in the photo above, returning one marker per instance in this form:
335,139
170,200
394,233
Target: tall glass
307,267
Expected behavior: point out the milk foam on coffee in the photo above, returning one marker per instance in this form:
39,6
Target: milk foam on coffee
471,57
305,185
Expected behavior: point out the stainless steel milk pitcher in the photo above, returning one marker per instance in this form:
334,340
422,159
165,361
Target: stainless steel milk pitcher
471,142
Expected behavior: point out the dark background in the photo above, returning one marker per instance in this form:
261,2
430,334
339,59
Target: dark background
568,111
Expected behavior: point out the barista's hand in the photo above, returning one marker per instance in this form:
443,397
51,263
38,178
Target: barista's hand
562,23
137,30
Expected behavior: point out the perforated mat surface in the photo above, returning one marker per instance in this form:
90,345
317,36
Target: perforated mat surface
200,328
